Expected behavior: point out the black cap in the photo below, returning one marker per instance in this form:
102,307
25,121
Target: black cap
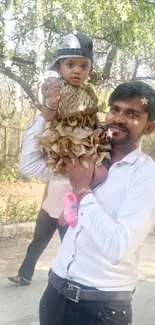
73,45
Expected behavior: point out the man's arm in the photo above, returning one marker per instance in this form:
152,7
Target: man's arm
119,239
32,162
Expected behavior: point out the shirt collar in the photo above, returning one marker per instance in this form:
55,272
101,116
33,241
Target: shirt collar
131,157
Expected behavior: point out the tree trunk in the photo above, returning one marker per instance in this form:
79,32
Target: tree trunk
109,62
137,64
5,145
23,84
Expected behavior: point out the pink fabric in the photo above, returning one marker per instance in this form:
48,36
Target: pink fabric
71,209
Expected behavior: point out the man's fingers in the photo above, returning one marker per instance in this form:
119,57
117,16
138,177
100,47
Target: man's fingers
102,140
71,163
93,160
75,161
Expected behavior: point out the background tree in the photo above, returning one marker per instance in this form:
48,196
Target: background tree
123,32
124,46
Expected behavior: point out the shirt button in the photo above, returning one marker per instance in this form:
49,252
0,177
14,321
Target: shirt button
81,214
73,255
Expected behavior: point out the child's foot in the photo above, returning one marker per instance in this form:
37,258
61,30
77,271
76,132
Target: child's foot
100,175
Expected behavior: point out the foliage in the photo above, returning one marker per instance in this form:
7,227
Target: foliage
15,115
148,145
15,211
124,49
30,28
10,174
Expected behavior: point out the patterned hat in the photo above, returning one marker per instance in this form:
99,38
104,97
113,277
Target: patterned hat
73,45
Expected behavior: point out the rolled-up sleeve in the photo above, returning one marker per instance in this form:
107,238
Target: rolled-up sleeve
119,238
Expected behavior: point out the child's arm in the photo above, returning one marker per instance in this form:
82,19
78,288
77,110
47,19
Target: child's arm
51,96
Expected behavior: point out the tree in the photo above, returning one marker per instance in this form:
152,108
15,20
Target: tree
120,29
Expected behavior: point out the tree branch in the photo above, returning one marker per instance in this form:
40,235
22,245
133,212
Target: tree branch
137,64
109,63
145,78
23,84
16,59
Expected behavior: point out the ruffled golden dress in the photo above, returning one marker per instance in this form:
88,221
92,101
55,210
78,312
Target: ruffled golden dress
72,132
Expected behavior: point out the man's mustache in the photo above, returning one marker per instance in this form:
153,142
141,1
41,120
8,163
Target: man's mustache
116,125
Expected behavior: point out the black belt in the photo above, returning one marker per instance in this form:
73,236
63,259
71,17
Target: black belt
77,292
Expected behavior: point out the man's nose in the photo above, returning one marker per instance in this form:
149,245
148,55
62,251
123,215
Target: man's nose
120,117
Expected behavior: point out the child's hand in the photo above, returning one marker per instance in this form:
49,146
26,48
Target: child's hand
101,135
100,174
62,221
51,90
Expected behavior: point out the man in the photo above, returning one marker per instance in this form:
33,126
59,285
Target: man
47,221
94,274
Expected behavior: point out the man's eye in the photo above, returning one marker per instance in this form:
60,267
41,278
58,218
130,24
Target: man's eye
113,110
133,115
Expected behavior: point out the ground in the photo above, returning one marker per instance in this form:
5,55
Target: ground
19,305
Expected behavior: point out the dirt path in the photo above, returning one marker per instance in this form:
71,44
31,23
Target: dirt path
19,305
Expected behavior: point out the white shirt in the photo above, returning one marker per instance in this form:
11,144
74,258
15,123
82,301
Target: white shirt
53,203
57,188
103,250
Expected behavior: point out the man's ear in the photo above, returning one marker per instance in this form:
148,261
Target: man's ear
149,128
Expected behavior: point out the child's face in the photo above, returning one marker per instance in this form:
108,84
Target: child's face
75,70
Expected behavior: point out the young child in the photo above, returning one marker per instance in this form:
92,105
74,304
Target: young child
72,112
72,128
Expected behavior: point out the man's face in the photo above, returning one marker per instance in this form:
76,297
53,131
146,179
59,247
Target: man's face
126,121
75,70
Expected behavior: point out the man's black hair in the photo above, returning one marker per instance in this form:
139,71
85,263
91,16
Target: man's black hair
130,90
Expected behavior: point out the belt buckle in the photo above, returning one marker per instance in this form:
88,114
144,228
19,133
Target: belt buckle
71,286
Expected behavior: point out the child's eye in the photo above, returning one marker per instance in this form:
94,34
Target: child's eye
85,66
70,65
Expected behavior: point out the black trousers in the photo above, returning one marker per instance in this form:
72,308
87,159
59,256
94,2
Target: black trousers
44,230
55,309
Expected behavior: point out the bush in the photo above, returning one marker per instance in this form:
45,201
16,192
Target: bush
148,145
10,174
16,211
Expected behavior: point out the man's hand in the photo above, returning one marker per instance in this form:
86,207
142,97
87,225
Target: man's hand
100,174
51,90
62,221
101,135
79,176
